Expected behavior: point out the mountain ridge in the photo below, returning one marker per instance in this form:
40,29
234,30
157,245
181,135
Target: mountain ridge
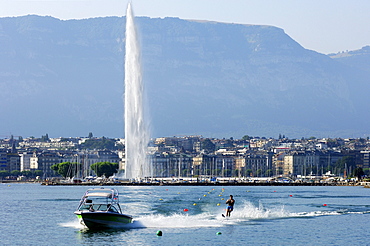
211,79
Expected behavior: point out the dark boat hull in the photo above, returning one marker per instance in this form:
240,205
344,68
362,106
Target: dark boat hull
96,220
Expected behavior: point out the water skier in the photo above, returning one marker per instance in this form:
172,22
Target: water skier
230,202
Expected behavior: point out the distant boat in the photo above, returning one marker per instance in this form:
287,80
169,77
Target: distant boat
99,208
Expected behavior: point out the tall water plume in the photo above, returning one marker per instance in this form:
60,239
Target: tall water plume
136,127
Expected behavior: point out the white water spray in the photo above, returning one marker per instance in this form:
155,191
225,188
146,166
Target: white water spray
136,127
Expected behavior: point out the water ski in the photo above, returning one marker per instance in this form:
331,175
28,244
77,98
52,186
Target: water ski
223,215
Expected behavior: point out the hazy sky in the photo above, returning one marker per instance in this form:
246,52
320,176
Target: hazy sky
326,26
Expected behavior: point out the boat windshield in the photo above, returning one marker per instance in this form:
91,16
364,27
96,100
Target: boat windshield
98,207
113,209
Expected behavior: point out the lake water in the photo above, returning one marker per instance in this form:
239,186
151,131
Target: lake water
32,214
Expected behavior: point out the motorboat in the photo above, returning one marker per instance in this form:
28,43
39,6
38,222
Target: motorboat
99,208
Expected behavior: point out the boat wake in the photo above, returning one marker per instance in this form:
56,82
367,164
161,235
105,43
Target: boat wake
243,213
73,224
250,212
177,221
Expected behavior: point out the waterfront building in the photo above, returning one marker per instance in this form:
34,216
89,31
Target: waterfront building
327,160
366,158
9,161
278,163
258,165
122,159
3,160
223,165
13,162
168,164
203,165
43,161
300,163
25,159
240,164
160,164
356,155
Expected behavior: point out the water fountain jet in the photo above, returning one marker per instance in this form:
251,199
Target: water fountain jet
136,127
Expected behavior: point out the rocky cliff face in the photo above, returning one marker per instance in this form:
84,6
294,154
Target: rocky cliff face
66,78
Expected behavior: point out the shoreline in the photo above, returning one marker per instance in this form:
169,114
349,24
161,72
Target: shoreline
53,183
195,184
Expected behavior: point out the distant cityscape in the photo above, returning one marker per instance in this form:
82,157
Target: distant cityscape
192,157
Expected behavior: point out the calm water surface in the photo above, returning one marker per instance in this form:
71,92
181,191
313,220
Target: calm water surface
32,214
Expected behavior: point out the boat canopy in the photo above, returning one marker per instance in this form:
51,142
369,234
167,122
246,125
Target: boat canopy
99,194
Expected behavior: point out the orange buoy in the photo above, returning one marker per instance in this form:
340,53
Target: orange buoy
185,209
